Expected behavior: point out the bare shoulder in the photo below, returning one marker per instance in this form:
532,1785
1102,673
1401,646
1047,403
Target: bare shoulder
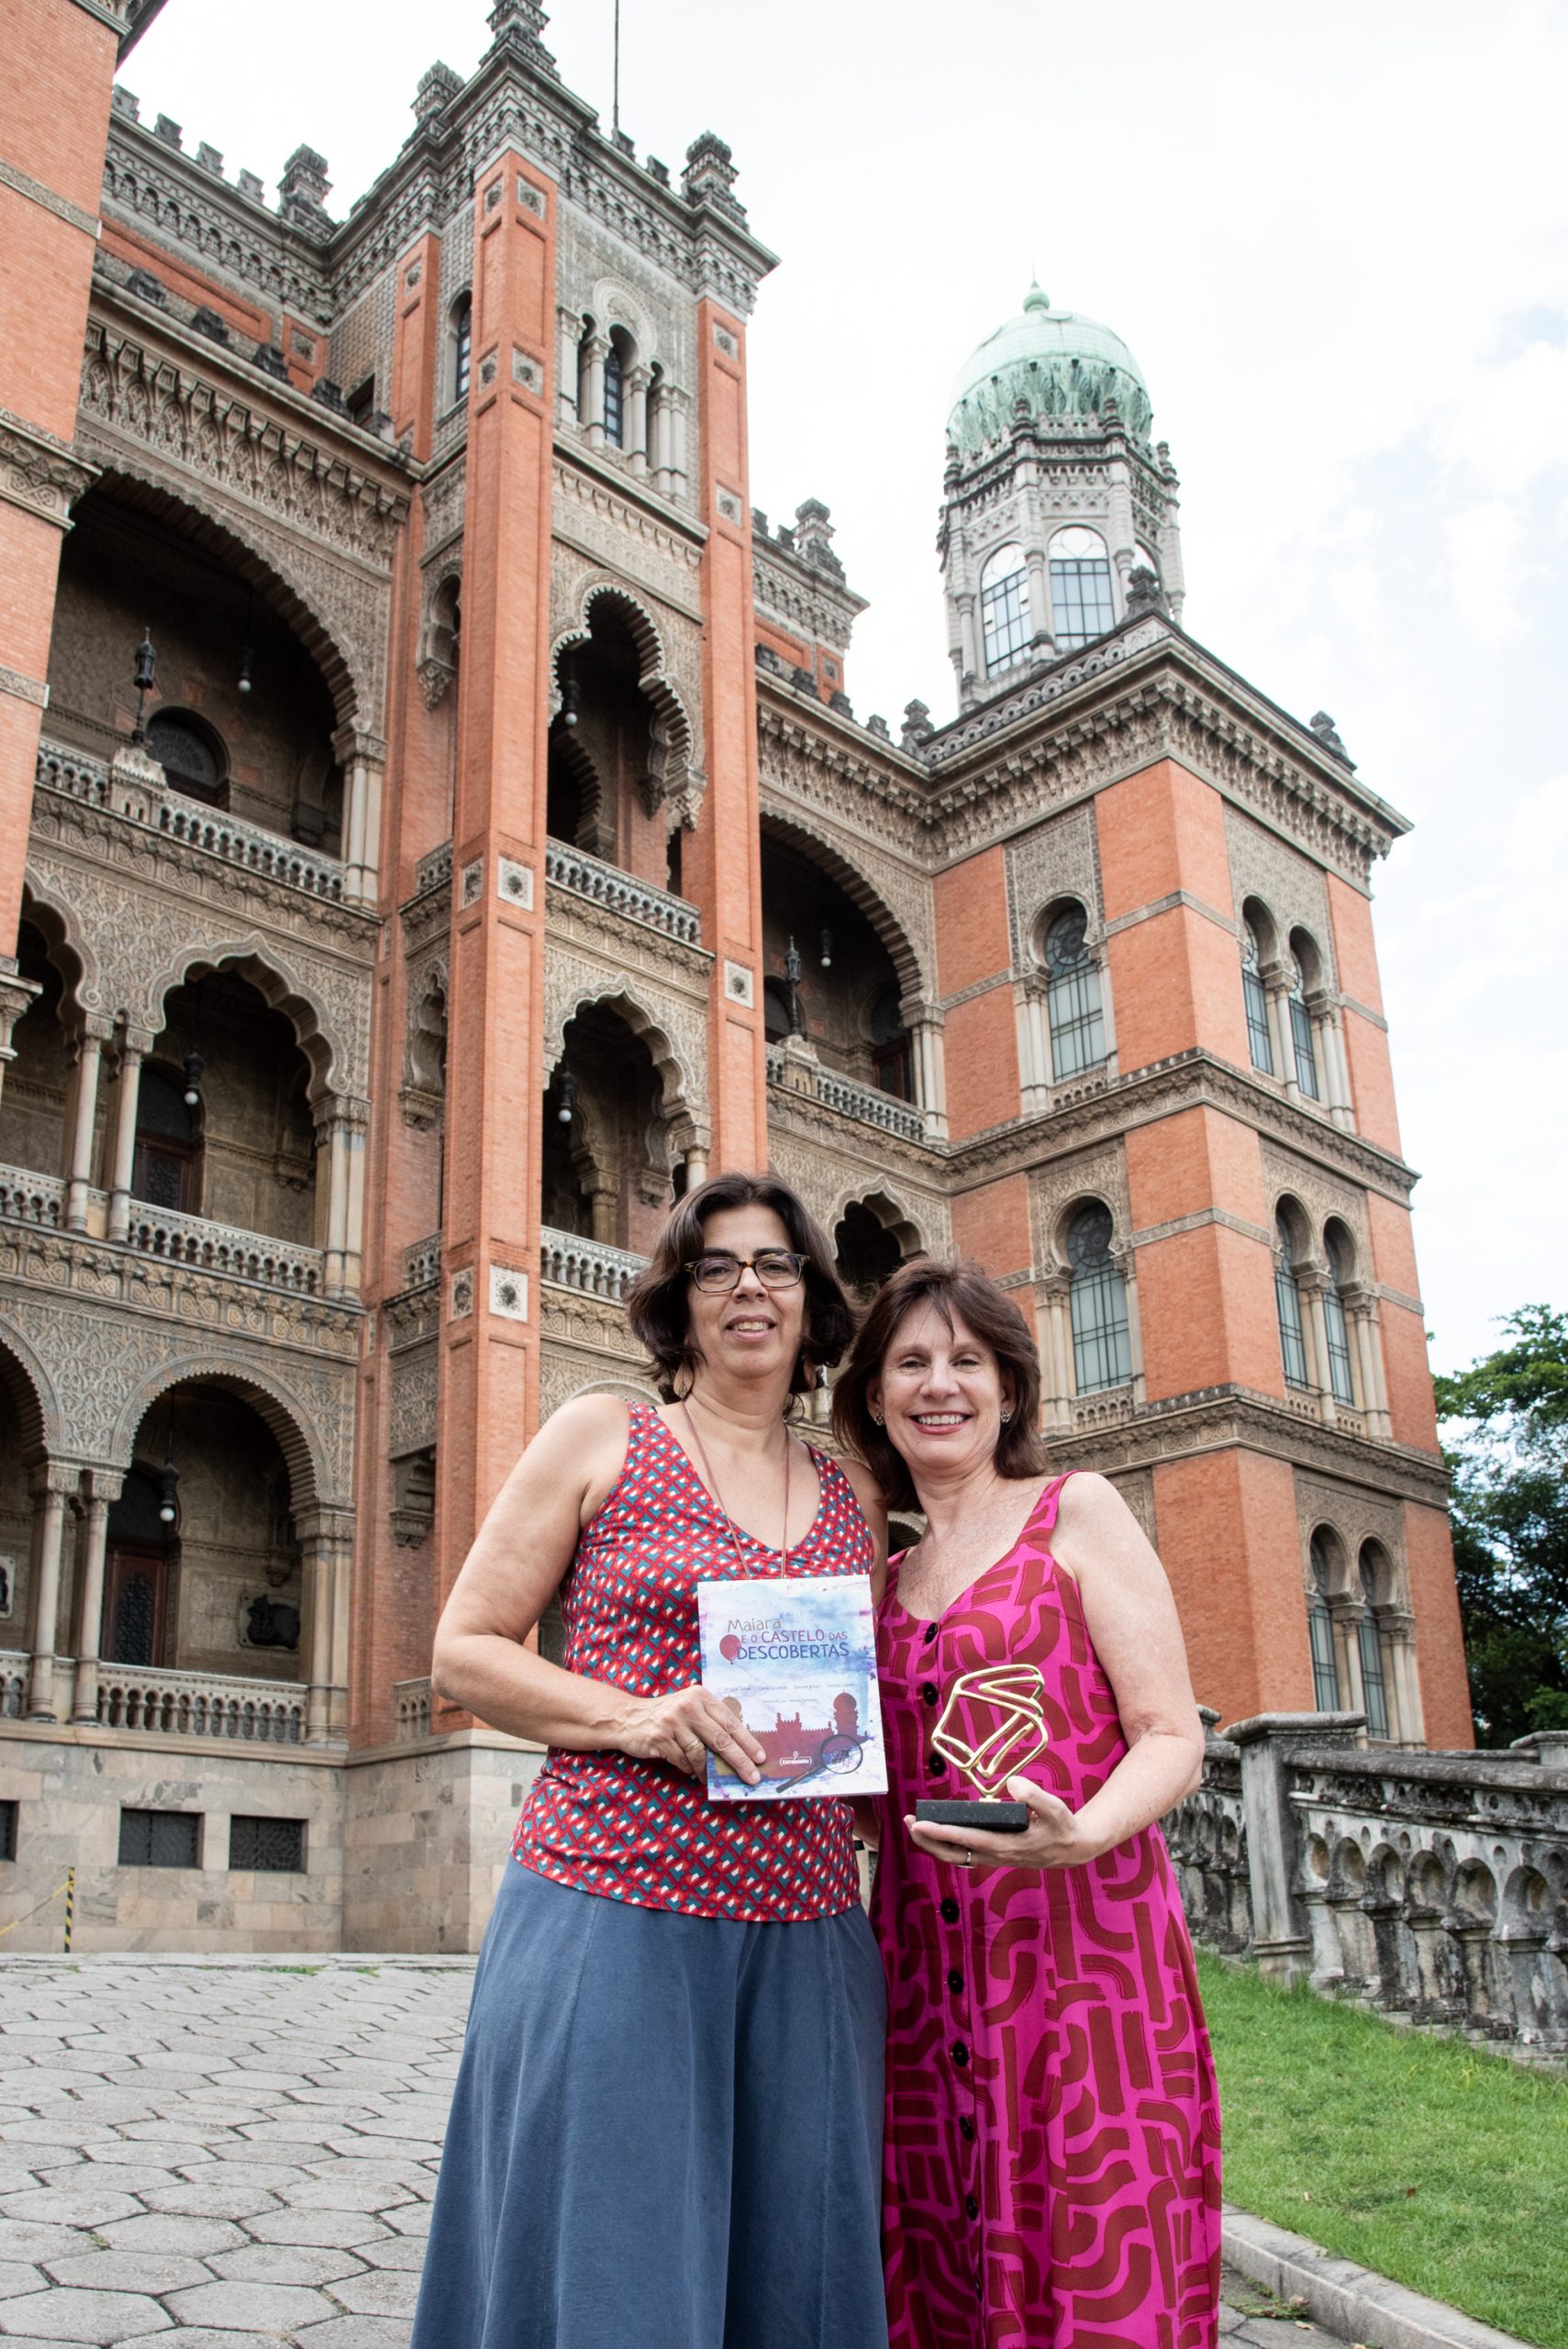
1095,1528
867,1491
1092,1500
587,1421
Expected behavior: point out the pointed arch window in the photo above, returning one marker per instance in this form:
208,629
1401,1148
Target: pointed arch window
164,1172
1320,1630
1287,1298
1073,998
1003,615
1301,1037
1081,603
614,397
1102,1344
1260,1043
1369,1638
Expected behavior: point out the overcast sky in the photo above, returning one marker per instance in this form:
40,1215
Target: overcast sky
1337,241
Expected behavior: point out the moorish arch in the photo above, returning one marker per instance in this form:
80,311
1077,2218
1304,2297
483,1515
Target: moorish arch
27,1395
675,760
347,669
287,1419
685,1101
67,938
892,933
332,1057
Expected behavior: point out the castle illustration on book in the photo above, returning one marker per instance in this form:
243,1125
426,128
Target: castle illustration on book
796,1660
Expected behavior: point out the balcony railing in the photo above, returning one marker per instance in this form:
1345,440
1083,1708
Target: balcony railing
590,1265
432,870
216,1248
412,1699
862,1102
14,1665
31,1198
200,1704
422,1262
605,885
218,834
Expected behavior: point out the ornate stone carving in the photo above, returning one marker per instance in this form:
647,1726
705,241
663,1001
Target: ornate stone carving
1356,1513
674,1030
832,1176
1135,1486
1058,859
1289,884
412,1417
894,894
670,649
38,472
1057,1189
1322,1194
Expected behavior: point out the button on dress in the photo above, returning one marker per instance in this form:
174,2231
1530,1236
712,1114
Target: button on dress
1051,2147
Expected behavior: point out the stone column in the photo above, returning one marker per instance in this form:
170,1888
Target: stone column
1345,1615
1125,1261
1276,989
95,1033
17,995
103,1489
1361,1308
356,1120
326,1540
597,352
1040,600
637,384
1408,1724
969,638
1054,1293
1311,1285
332,1192
602,1204
679,466
1282,1941
570,329
362,758
52,1486
135,1045
925,1037
1330,1028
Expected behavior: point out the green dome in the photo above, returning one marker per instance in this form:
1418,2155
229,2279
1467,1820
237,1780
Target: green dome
1059,362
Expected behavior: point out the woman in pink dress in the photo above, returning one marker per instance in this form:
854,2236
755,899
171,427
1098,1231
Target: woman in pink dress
1051,2164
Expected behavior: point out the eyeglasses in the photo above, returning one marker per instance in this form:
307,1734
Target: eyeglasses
774,1267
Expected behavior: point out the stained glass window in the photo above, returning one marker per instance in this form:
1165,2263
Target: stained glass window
1003,619
1102,1345
1260,1042
1073,996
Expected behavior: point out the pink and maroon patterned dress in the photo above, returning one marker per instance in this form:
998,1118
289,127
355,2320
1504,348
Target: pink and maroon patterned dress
1051,2165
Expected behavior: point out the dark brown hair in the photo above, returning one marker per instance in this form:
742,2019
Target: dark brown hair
659,1307
959,1291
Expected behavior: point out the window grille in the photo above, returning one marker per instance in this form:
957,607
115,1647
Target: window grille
1340,1383
158,1839
615,402
1079,599
1102,1344
1320,1630
7,1831
1369,1635
1003,616
1259,1041
1073,998
1301,1039
463,348
276,1845
1287,1297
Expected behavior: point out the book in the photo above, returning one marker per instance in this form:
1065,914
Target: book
796,1658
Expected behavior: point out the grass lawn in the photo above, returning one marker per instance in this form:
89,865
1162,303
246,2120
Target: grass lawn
1421,2157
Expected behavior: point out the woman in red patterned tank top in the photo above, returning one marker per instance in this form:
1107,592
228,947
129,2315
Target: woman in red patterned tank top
667,2124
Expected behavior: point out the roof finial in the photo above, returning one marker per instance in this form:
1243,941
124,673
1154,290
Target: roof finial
1036,299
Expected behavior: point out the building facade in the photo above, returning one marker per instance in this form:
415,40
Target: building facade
435,830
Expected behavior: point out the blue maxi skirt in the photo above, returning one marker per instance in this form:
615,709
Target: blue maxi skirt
666,2134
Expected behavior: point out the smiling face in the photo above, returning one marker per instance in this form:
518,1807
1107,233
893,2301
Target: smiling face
748,1333
941,1393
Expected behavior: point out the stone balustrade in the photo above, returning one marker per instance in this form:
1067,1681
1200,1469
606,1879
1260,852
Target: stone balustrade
216,1248
422,1262
411,1700
862,1102
14,1667
620,893
1431,1886
590,1265
32,1199
433,870
200,1704
211,830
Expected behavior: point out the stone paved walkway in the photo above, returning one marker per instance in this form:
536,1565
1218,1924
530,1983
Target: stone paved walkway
222,2154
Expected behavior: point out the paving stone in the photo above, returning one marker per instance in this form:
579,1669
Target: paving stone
286,2263
16,2179
88,2205
250,2308
128,2271
16,2276
330,2193
397,2251
159,2231
356,2332
99,2317
408,2218
33,2240
201,2336
226,2197
388,2291
274,2175
334,2230
415,2151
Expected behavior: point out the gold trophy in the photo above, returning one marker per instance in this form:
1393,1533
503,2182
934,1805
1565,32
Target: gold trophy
993,1722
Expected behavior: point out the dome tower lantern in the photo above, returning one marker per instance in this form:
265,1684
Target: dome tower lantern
1054,496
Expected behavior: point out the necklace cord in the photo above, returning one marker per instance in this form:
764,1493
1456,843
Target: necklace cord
719,1497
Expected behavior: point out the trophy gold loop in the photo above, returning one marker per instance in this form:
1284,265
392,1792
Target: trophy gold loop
993,1723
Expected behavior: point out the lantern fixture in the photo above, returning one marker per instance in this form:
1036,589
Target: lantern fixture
193,1066
827,950
144,678
168,1485
242,682
568,1096
570,700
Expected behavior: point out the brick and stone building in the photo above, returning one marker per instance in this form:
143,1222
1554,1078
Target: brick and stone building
435,829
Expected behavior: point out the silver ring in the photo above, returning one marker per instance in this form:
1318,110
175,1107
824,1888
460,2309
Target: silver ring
969,1859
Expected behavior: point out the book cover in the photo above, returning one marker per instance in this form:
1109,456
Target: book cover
796,1658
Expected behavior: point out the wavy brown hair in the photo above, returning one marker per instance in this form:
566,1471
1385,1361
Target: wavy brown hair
959,1291
657,1307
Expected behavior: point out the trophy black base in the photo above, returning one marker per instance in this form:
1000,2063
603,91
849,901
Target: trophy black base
991,1818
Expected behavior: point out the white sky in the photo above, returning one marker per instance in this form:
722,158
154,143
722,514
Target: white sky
1337,241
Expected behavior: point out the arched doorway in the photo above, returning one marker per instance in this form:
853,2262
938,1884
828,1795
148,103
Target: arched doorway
606,1160
224,1126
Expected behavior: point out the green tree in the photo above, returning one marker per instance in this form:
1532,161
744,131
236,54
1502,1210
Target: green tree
1507,1418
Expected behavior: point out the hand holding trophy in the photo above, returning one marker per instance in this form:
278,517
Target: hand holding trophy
993,1723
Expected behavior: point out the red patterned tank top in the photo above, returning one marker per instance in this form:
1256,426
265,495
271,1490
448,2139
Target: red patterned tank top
641,1830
